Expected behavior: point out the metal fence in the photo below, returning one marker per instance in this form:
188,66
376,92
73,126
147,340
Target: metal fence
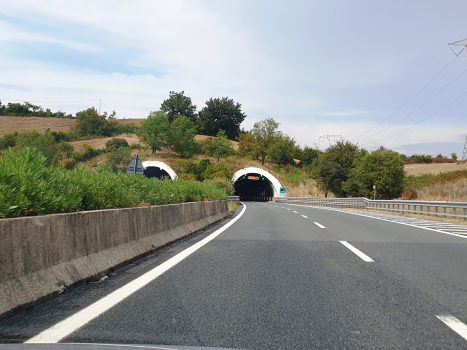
436,208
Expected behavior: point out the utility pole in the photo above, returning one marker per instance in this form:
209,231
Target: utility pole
463,44
464,154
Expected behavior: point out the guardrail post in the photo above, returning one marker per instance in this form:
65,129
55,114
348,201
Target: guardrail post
444,212
454,210
436,211
465,214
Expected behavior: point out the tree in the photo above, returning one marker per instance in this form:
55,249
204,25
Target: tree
154,131
221,114
282,150
265,133
383,168
308,156
333,167
179,105
180,138
219,146
89,122
453,156
247,144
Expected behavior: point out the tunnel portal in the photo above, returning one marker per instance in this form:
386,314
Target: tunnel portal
254,187
153,171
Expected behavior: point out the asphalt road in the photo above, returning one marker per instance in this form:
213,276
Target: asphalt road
285,277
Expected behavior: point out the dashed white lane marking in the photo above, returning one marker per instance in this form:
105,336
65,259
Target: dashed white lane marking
306,217
457,326
64,328
357,252
288,209
296,212
282,207
319,225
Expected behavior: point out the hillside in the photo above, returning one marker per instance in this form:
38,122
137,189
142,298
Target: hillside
9,125
421,169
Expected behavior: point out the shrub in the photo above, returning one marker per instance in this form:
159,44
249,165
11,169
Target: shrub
44,143
115,144
219,170
187,177
120,156
382,168
69,164
29,187
9,140
86,153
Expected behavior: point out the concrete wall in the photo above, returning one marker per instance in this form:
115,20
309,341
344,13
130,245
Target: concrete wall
38,254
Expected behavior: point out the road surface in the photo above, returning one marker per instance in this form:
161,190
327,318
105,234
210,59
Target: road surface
280,277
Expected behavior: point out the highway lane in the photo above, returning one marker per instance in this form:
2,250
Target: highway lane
281,278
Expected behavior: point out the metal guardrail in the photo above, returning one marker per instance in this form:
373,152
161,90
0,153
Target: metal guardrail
233,198
448,209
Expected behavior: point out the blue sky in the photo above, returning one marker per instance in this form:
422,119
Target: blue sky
317,67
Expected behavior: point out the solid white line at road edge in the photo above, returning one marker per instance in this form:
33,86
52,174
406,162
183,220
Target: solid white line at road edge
319,225
357,252
456,325
64,328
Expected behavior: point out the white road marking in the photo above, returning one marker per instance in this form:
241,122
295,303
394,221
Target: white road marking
282,207
296,212
306,217
64,328
363,256
457,326
412,224
288,209
319,225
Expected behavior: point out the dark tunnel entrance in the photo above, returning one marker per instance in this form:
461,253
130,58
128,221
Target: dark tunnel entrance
254,187
153,171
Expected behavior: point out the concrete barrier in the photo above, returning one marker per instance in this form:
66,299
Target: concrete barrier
40,254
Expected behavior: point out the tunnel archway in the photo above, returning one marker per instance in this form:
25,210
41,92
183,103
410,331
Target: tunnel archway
256,184
158,170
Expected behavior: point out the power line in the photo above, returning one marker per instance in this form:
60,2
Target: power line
369,143
6,99
106,106
423,104
397,110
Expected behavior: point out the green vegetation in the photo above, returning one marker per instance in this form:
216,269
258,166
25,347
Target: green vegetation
218,146
29,110
381,168
180,137
154,130
29,187
221,114
178,105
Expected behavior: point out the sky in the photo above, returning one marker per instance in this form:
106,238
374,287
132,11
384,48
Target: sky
349,68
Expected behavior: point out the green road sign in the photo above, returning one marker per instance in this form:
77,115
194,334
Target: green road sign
282,189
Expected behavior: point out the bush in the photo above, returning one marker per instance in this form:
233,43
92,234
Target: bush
65,150
187,177
69,164
219,170
120,156
115,144
9,140
86,153
29,187
44,143
382,168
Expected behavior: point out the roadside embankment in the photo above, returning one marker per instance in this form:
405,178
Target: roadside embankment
41,255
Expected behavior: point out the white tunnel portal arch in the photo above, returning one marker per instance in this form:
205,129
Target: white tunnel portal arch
276,185
161,166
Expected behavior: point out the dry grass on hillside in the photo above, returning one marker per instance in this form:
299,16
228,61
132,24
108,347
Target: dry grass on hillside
420,169
99,143
204,137
9,125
